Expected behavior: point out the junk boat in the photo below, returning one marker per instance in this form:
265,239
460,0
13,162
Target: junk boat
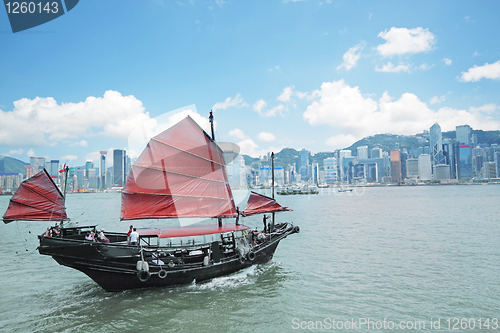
180,174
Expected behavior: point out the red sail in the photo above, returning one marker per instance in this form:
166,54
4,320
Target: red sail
180,173
36,199
260,204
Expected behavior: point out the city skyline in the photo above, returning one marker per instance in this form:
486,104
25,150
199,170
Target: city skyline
314,75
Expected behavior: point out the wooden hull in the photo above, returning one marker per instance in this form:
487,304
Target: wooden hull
114,266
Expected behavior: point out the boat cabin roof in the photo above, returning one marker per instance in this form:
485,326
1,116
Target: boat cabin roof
194,230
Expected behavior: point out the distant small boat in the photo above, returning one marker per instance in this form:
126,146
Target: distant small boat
298,190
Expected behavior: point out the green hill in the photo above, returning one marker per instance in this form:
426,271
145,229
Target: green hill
12,165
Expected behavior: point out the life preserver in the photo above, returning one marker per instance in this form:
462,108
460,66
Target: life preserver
251,256
162,274
143,276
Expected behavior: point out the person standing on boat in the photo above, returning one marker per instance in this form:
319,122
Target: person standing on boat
128,233
134,237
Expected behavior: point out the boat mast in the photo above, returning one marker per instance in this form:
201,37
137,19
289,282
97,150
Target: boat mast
65,183
272,183
211,119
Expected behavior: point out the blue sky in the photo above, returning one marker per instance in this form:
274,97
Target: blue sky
310,74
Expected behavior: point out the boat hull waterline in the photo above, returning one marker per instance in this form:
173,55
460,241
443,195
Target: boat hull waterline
114,266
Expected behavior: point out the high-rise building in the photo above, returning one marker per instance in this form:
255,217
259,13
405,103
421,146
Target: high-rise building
436,145
489,170
412,168
464,161
396,165
53,168
463,134
450,154
119,167
363,152
38,163
102,169
376,152
477,161
441,172
424,167
496,159
315,173
303,164
343,165
330,167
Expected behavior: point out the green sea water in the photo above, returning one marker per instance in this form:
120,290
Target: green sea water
382,259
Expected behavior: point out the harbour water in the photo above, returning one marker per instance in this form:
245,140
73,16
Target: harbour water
370,260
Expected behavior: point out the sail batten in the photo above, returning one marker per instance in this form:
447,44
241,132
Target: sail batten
185,151
261,204
180,173
36,199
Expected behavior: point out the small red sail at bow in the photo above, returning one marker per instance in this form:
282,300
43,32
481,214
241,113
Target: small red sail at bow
180,173
260,204
37,199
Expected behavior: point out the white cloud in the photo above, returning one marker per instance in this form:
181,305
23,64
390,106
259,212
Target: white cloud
68,158
436,99
354,116
16,152
248,147
286,94
237,133
143,132
341,141
390,68
402,40
237,101
447,61
339,105
352,56
44,122
487,109
265,136
81,143
259,106
31,153
476,73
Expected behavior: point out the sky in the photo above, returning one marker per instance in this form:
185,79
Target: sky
313,74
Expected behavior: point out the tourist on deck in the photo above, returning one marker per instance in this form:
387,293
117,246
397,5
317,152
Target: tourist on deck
90,236
102,237
55,231
134,237
128,233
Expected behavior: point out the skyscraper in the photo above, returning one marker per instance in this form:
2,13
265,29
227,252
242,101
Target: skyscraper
396,165
363,152
102,169
303,164
463,134
119,167
330,166
464,163
376,152
424,167
436,143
